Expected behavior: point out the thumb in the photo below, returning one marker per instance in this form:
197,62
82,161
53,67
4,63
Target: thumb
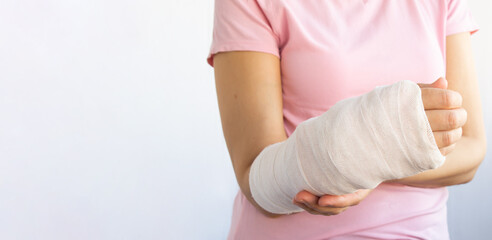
439,83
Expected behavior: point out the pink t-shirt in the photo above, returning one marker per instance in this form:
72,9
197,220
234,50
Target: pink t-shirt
331,50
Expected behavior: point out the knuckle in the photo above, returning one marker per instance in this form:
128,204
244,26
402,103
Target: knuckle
446,139
452,119
445,98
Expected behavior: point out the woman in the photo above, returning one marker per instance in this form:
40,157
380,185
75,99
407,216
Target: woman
279,63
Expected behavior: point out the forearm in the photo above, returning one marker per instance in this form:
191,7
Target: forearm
459,168
322,155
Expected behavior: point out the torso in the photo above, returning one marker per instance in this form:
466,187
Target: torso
335,49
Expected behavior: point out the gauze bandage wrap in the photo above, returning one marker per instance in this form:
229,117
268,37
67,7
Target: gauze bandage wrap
356,144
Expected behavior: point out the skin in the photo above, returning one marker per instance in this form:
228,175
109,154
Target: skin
249,95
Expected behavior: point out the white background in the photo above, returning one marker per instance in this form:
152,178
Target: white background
109,126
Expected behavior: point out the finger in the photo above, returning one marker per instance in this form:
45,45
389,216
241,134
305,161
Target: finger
327,211
446,138
435,98
446,150
306,208
305,196
439,83
340,201
309,202
444,120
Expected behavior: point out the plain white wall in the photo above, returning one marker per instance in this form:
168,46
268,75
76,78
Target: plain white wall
109,126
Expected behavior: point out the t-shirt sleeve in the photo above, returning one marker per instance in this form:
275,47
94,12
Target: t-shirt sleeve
241,25
459,18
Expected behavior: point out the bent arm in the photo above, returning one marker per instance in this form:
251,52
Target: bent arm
249,94
323,154
462,163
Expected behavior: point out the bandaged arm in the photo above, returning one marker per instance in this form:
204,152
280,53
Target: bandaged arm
357,144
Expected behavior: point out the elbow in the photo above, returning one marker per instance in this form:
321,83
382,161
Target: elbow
471,174
480,157
468,177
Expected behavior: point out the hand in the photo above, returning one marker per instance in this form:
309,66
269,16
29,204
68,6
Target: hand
444,112
329,204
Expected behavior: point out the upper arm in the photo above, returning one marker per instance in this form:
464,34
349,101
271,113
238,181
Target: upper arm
249,94
460,65
461,76
246,60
